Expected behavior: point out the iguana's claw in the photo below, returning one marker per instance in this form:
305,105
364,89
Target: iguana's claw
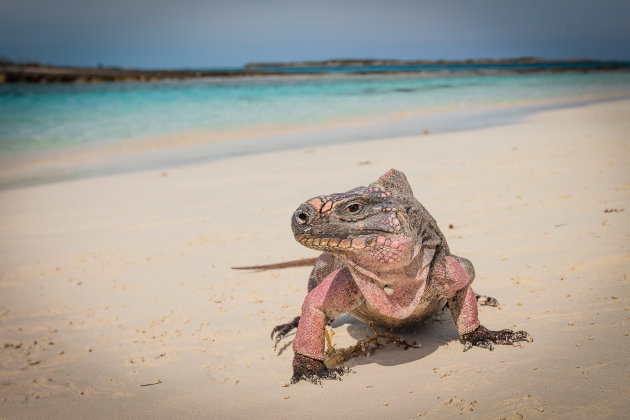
284,329
314,370
483,337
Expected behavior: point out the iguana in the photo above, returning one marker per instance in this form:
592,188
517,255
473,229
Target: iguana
386,262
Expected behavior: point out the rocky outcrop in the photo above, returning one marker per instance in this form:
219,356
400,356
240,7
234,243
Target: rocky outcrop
36,73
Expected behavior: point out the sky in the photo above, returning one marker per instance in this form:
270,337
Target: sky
230,33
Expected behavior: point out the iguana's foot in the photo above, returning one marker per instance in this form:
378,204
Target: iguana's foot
486,300
284,329
314,370
483,337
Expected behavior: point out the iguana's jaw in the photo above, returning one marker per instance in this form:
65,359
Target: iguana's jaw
377,236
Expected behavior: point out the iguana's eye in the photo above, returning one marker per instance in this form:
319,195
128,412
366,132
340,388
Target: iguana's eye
353,208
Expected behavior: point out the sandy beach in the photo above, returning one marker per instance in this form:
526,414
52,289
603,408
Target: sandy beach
117,298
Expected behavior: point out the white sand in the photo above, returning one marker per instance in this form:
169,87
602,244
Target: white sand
111,283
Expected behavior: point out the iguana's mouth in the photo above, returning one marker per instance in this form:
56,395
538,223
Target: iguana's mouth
362,242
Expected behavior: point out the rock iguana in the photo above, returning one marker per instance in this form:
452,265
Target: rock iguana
386,262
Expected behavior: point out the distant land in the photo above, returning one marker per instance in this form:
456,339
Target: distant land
11,72
344,62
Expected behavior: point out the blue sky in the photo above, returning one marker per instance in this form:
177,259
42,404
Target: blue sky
195,33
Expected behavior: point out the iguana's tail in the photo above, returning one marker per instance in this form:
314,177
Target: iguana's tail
288,264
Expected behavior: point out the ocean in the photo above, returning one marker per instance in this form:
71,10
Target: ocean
258,114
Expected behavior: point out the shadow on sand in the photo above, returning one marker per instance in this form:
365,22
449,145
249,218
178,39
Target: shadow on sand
429,335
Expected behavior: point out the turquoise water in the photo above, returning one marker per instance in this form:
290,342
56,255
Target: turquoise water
54,117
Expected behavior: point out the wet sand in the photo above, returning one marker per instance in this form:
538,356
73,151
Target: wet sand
117,298
35,167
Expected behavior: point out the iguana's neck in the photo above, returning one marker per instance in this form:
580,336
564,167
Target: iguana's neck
412,272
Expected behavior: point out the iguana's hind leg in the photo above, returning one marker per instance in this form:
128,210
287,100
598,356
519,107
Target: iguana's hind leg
483,301
283,330
470,270
467,266
486,300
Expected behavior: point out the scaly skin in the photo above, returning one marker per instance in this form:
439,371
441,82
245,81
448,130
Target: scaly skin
385,261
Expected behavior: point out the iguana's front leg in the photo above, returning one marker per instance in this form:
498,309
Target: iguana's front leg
463,307
335,295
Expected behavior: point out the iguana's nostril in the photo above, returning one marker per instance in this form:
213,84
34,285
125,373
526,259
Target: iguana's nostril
302,217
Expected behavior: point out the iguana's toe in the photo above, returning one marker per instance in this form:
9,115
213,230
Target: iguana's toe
283,329
486,344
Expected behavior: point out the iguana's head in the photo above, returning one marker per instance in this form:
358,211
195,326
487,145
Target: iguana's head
369,226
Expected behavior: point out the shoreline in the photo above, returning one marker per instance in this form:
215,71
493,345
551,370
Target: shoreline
114,283
182,149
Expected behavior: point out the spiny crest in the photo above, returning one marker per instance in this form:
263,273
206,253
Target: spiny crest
395,182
